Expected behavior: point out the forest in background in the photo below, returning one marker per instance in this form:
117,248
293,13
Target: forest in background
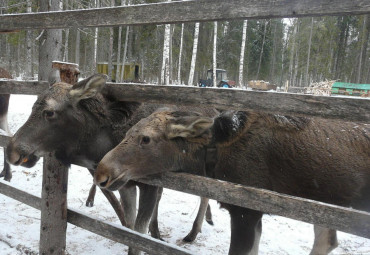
299,50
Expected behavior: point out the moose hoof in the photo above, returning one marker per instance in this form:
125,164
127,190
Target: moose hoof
189,238
156,235
210,222
89,203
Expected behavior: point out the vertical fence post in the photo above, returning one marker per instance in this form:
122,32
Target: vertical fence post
53,207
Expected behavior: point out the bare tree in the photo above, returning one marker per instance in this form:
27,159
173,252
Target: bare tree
65,55
261,53
110,52
364,41
291,61
123,2
242,53
180,54
308,54
165,71
50,42
96,34
194,55
28,69
214,53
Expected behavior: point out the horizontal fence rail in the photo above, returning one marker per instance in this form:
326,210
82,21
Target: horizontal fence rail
331,216
182,11
343,108
114,232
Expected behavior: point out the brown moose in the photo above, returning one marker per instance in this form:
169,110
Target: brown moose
319,159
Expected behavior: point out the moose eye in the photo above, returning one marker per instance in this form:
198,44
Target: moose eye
145,140
49,114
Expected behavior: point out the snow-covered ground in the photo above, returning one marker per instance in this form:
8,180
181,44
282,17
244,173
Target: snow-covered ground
19,224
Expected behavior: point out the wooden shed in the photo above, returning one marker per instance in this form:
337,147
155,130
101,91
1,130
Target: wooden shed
131,71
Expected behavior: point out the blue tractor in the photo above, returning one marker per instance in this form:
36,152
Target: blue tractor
221,79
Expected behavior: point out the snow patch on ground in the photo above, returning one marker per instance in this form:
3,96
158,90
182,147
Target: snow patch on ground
20,224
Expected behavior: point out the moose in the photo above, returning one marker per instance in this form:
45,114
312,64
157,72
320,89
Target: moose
81,123
4,106
320,159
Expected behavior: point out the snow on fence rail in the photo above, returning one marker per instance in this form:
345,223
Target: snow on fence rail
340,218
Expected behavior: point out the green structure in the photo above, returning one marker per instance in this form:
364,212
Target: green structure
352,89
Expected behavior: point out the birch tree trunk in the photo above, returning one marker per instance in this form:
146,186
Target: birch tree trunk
65,56
242,53
124,53
291,60
118,77
261,53
296,57
215,54
165,71
50,42
77,50
180,54
125,46
308,54
28,68
110,52
96,34
194,55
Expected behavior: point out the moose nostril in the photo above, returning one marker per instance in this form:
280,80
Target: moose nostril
104,183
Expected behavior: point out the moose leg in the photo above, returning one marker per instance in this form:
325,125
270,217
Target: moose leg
197,225
147,202
128,201
209,215
92,192
325,241
91,197
246,228
114,202
7,172
153,226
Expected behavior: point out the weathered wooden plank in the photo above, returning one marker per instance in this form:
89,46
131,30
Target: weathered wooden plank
336,217
111,231
20,195
124,235
344,108
183,11
22,87
53,229
331,216
351,109
4,140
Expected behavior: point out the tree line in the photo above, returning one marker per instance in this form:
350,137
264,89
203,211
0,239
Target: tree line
295,51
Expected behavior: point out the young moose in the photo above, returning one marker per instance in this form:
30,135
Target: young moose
319,159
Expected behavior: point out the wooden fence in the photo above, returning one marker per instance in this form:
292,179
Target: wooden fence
53,228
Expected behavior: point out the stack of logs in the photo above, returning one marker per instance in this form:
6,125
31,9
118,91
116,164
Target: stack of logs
322,88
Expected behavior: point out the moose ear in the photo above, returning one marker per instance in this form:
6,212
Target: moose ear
88,87
189,126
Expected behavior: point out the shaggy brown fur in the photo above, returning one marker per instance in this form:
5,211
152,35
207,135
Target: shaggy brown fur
320,159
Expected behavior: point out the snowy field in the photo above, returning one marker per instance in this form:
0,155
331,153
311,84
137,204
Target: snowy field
19,224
